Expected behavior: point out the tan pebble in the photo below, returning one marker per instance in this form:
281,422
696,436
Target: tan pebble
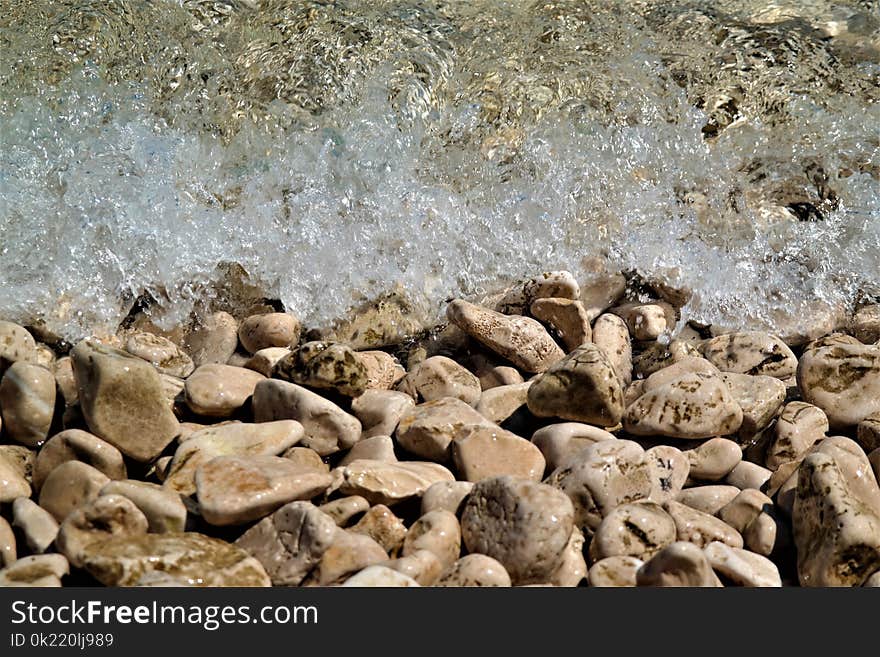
700,528
37,525
708,499
383,370
797,429
647,321
659,355
499,403
21,459
62,370
265,360
16,345
380,524
611,334
39,570
379,411
27,400
343,510
678,564
68,486
389,483
163,509
764,535
713,459
212,341
238,359
422,565
549,285
572,569
446,496
220,390
380,576
8,552
669,471
678,369
759,397
161,353
855,467
12,482
751,352
601,290
347,554
742,567
77,445
98,520
617,571
326,366
437,531
868,433
744,508
567,317
500,375
636,530
428,430
486,451
377,448
842,380
559,442
747,475
438,377
306,459
475,570
44,356
865,324
270,330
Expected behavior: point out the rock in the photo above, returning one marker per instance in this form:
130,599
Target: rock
865,324
163,509
389,483
636,530
601,290
475,570
582,387
647,321
265,360
44,356
380,576
383,369
611,335
381,322
678,564
77,445
8,552
422,565
41,570
499,403
567,317
344,509
122,400
559,442
306,459
742,567
62,370
428,430
290,542
708,499
747,475
188,559
868,433
499,375
220,390
759,397
161,353
549,285
744,508
522,524
380,524
233,490
12,483
874,460
438,377
485,451
700,528
658,355
669,471
269,330
327,428
751,352
446,496
21,459
437,531
27,400
521,340
692,407
92,523
68,486
347,554
37,525
572,567
602,477
16,345
842,380
765,535
617,571
379,411
855,468
264,439
325,366
713,459
682,367
797,429
837,536
214,341
377,448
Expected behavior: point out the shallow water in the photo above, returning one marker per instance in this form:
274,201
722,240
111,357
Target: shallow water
337,149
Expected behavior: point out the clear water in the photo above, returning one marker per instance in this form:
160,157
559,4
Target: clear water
338,149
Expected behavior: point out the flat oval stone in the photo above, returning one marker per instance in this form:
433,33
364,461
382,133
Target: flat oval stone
582,387
842,380
619,571
522,524
68,486
161,353
499,403
700,528
389,483
708,499
669,471
636,530
96,521
12,482
220,390
188,559
437,531
380,524
377,448
438,377
498,375
485,451
77,445
269,330
27,400
742,567
446,496
380,411
678,564
475,570
567,317
428,430
163,508
37,525
16,344
751,352
39,570
380,576
747,475
213,340
559,442
521,340
611,335
325,366
422,565
713,459
327,428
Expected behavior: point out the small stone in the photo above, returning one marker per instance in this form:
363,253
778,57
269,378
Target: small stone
678,564
44,356
611,335
647,321
8,552
269,330
572,569
868,433
422,565
188,559
615,572
389,483
380,524
12,483
500,375
438,377
345,508
499,403
842,380
658,355
428,430
567,317
68,486
485,451
77,445
213,341
163,509
233,490
446,496
21,459
582,387
865,324
16,344
27,400
759,397
700,528
475,570
674,371
161,353
637,530
549,285
708,499
522,524
306,459
220,390
122,400
265,360
325,366
39,570
379,411
751,352
747,475
377,448
62,370
103,518
437,531
37,525
383,369
380,576
742,567
264,439
798,428
855,468
328,429
744,508
764,535
669,471
559,442
347,554
521,340
714,459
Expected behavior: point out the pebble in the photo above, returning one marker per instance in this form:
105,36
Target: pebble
380,524
559,442
619,571
446,496
567,317
327,428
269,330
21,459
422,565
27,400
265,360
428,430
389,483
163,508
437,531
122,400
68,486
379,411
636,530
439,377
383,369
220,390
39,570
659,355
713,459
475,570
344,509
842,380
8,552
499,403
572,569
647,321
747,475
161,353
751,352
549,285
327,366
601,290
744,508
347,554
380,576
678,564
377,448
38,527
798,428
868,433
700,528
669,471
486,451
78,445
522,524
92,523
306,459
12,482
582,387
499,375
759,397
16,344
62,370
611,335
855,467
682,367
742,567
708,499
213,341
521,340
865,324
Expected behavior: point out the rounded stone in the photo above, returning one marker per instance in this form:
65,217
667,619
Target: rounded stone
220,390
270,330
325,366
78,445
713,459
161,353
68,486
27,402
636,530
617,572
96,521
678,564
475,570
437,531
438,377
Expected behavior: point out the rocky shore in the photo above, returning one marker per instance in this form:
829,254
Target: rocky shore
558,433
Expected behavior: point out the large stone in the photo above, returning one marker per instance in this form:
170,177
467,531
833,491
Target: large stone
269,330
428,430
122,400
161,353
220,390
798,428
751,352
326,366
27,402
486,451
438,377
379,411
69,485
389,483
99,520
163,508
327,428
842,380
582,387
78,445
